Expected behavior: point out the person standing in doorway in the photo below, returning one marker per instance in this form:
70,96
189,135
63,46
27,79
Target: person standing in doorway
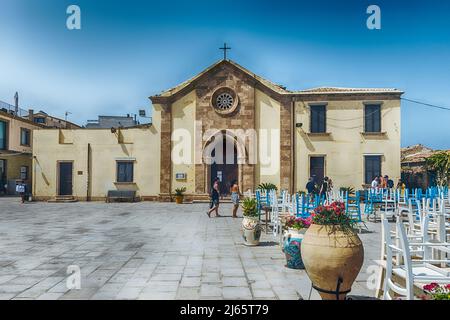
234,190
215,196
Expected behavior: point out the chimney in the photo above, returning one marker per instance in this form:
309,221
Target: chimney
30,114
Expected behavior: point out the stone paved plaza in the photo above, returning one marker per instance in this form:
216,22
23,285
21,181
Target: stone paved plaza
145,250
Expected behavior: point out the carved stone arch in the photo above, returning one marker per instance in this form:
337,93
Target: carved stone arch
229,135
210,144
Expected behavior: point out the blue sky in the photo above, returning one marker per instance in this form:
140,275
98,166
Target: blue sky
129,50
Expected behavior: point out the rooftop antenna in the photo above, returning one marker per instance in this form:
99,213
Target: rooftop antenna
66,115
16,103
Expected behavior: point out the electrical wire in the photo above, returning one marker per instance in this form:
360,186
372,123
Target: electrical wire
426,104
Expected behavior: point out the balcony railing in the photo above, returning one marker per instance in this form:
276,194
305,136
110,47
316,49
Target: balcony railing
9,108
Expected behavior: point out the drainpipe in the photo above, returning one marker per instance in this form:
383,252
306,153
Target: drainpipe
88,182
33,177
293,150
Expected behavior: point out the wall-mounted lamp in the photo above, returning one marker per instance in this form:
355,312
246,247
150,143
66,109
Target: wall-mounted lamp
298,125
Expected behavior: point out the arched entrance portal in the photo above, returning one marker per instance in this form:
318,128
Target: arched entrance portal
221,156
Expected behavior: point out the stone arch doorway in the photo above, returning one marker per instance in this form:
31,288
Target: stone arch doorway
224,158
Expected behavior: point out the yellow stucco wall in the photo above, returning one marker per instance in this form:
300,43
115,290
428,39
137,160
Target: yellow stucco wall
21,155
183,140
267,123
14,129
345,147
141,145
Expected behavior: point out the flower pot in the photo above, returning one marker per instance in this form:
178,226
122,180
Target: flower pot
332,259
251,231
292,240
179,199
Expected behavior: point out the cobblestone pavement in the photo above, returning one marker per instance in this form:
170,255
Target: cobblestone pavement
145,250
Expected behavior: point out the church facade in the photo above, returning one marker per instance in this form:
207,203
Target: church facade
231,124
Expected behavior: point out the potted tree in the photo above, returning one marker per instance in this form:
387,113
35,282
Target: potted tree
251,229
179,195
332,251
292,239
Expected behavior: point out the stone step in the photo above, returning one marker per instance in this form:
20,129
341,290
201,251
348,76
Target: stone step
63,199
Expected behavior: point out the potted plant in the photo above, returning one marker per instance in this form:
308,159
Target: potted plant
348,190
292,239
332,251
267,186
179,195
251,229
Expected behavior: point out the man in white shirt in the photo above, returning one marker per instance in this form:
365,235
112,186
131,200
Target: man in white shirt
20,189
375,183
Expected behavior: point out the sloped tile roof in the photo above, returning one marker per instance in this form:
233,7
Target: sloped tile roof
279,89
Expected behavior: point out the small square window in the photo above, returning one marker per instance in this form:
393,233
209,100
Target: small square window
125,171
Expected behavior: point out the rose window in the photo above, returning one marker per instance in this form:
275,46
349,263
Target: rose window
224,100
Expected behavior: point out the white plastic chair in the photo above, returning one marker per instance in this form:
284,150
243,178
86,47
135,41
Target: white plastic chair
417,273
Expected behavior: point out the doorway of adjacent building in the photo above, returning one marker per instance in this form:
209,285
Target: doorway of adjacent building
65,178
225,167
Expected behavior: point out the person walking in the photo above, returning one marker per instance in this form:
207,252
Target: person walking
324,188
330,185
389,182
21,190
234,190
311,188
215,196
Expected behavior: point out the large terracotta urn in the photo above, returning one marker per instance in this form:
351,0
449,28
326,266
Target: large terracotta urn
251,231
332,258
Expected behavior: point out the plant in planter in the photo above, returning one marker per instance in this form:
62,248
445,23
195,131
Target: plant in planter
332,251
349,190
292,239
435,291
267,186
179,194
251,229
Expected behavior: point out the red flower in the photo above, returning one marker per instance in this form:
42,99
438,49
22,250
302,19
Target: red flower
430,287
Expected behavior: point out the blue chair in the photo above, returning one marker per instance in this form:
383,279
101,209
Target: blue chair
353,206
